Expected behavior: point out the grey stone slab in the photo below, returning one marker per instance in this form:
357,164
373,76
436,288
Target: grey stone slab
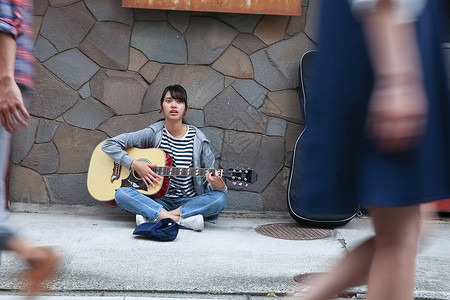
65,27
88,114
313,17
37,21
121,124
283,104
59,3
215,137
150,15
266,73
75,146
108,45
288,159
276,68
230,111
150,70
233,62
274,197
243,22
39,7
276,127
43,158
69,189
85,91
52,97
27,186
263,154
250,91
271,29
286,56
241,200
195,117
248,43
207,39
296,24
228,81
123,93
137,60
110,10
292,133
46,130
23,140
201,83
43,49
96,84
179,19
72,67
151,37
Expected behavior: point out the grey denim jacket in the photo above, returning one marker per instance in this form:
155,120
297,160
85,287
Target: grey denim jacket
150,137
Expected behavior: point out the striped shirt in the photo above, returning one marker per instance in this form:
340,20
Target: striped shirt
181,151
16,19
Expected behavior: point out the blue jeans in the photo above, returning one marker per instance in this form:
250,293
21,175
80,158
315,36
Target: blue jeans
208,204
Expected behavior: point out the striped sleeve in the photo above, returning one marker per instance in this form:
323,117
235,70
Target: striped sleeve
11,16
406,11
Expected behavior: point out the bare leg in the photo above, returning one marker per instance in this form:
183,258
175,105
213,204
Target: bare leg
388,259
168,214
350,271
176,212
173,214
393,266
42,262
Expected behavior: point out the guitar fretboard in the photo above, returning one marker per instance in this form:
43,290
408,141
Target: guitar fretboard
174,171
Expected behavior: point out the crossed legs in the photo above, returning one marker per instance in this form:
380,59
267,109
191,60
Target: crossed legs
173,214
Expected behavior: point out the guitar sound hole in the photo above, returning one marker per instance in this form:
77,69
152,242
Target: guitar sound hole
136,175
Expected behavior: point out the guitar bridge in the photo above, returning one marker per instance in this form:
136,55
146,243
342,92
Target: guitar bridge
116,172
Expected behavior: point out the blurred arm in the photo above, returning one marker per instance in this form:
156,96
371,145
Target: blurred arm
11,102
398,107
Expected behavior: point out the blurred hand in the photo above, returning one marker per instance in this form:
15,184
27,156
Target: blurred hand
144,171
11,106
397,113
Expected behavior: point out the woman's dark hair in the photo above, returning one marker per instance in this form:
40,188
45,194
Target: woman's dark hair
176,92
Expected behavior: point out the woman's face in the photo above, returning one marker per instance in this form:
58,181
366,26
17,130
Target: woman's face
173,109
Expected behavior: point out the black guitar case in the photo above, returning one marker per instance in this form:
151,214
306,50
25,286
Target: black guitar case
301,209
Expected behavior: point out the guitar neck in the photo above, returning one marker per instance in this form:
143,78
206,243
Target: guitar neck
183,172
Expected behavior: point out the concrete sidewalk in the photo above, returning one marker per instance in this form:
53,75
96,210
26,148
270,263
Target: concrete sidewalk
101,259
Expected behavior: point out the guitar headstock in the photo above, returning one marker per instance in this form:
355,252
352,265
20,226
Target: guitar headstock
248,176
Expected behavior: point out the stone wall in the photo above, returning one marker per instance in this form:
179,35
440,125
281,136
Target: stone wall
101,70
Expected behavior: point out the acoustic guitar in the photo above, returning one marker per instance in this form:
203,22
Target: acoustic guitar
106,176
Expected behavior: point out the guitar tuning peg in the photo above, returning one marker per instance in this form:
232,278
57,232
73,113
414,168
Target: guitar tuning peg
246,185
240,184
234,183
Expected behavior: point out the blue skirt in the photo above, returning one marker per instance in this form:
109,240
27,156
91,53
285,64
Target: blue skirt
340,165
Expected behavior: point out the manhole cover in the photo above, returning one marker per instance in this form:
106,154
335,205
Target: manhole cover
307,278
293,231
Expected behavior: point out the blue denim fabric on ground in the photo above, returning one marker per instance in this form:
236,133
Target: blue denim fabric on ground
208,204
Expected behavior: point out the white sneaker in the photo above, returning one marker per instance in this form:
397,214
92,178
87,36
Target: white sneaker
195,222
140,219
